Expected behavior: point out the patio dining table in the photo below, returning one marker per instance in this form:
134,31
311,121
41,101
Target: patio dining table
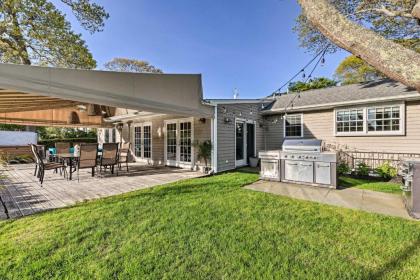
69,158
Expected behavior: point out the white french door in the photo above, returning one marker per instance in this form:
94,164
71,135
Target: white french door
143,141
179,150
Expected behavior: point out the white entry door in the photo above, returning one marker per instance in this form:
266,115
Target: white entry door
143,141
178,143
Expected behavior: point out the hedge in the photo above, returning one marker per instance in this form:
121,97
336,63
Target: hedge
50,143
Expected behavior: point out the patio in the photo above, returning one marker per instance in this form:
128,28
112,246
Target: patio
22,195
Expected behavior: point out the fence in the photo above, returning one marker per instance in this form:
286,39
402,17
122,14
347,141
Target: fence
373,159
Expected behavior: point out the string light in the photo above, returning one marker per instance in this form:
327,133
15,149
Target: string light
320,54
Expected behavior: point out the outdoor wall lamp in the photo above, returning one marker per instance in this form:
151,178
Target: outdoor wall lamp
227,120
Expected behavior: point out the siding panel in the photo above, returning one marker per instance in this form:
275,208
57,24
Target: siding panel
320,125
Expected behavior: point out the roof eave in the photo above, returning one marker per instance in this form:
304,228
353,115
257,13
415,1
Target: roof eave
318,107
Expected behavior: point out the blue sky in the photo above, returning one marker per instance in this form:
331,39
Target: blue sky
247,45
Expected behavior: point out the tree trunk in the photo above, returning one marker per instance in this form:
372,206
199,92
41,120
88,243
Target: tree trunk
393,60
416,10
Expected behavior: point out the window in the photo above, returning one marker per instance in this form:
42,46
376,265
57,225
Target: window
349,120
293,126
147,141
137,141
114,135
376,120
384,118
106,135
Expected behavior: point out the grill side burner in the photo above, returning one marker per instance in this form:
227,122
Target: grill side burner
270,165
411,187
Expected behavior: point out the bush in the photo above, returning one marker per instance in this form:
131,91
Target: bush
50,143
343,168
362,169
386,171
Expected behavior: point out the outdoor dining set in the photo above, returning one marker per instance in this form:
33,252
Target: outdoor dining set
67,160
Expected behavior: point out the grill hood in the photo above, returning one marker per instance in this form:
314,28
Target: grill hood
302,145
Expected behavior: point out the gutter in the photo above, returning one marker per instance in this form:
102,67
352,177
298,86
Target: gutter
316,107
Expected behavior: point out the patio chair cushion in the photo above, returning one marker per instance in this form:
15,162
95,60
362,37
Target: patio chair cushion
87,163
108,161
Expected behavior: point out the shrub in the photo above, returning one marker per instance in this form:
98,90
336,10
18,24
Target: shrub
204,150
50,143
362,169
386,171
343,168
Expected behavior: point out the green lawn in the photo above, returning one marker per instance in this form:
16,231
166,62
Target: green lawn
365,184
208,228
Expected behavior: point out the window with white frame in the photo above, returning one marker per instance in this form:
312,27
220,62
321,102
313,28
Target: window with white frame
350,120
384,118
293,126
380,120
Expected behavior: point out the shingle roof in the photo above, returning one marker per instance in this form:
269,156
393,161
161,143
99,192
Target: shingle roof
334,96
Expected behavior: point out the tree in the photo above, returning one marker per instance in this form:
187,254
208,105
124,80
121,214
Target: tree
131,65
345,23
36,32
354,70
313,84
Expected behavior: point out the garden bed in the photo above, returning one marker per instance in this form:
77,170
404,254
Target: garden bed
369,183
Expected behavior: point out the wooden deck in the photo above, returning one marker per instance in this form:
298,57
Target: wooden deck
22,195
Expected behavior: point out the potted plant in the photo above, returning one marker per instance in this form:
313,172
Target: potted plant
253,161
204,152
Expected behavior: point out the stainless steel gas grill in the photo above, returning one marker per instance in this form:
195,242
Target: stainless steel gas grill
301,161
411,188
270,165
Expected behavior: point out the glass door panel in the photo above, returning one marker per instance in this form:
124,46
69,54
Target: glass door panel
240,140
137,141
147,141
185,141
171,142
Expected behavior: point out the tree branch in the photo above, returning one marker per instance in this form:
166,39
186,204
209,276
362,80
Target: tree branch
416,10
395,61
390,13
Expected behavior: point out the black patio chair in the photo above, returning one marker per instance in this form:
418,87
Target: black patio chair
109,157
87,158
42,166
124,155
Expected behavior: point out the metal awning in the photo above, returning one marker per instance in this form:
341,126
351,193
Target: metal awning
26,88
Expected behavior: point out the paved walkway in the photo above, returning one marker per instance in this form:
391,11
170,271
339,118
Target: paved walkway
21,194
370,201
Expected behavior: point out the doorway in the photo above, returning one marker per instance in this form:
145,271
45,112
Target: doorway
244,141
143,141
179,143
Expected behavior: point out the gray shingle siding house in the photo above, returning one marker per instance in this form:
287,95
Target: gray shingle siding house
378,116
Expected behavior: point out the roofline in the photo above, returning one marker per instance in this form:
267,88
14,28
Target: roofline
317,107
234,101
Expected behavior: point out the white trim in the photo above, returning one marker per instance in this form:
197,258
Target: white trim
243,162
397,98
302,133
178,162
234,101
214,122
366,132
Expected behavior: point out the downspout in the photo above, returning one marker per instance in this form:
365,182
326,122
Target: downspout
213,130
214,137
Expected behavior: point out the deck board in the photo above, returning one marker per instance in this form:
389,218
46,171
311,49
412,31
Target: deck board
22,194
